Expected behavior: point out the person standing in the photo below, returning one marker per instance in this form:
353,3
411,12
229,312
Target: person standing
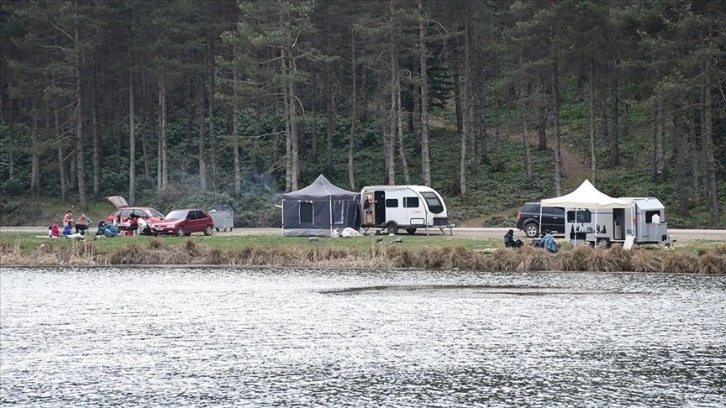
68,218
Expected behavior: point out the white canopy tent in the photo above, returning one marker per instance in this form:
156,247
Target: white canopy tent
586,196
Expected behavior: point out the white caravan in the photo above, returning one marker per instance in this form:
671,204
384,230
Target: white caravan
402,207
643,219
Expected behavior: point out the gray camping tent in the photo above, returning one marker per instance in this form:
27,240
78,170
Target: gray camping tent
317,209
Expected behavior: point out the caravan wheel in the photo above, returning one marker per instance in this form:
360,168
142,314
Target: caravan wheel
392,229
603,243
411,231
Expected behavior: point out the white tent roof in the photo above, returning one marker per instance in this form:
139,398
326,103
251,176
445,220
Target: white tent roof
586,196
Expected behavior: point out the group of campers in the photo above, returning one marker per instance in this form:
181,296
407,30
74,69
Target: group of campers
69,224
133,225
546,241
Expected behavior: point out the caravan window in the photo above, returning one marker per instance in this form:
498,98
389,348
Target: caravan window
433,201
306,212
583,216
649,216
391,203
410,202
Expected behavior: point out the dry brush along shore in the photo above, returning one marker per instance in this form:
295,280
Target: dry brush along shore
155,252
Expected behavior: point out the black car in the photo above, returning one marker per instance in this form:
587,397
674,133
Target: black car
553,219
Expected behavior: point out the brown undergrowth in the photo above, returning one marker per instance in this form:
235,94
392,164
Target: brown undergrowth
581,258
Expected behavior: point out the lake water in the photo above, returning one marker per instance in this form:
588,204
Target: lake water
234,337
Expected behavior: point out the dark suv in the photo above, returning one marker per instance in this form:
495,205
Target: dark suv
553,219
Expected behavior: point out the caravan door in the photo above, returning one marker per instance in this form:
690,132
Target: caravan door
380,207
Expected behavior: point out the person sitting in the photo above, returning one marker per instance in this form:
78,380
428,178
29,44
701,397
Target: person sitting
144,227
549,242
54,230
68,230
509,241
82,224
539,242
110,230
133,223
101,227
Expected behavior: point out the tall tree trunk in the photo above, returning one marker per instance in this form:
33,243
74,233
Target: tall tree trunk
424,86
593,156
353,118
35,161
132,142
695,190
498,135
145,143
213,165
80,159
708,159
466,109
164,179
331,124
527,150
604,127
556,115
458,98
200,148
288,125
542,128
399,129
679,139
11,135
391,135
235,147
96,145
61,153
615,134
659,141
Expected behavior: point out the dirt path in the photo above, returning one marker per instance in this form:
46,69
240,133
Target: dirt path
572,164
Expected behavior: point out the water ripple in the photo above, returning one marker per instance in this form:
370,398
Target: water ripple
208,337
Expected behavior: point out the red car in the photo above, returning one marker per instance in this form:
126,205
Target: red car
150,215
184,223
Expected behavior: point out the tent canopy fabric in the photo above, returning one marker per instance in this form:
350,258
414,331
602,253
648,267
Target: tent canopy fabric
586,196
318,209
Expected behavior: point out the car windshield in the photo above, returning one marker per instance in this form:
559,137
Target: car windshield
154,213
176,215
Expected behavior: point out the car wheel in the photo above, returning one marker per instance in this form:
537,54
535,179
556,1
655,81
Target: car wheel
603,243
411,231
208,231
531,229
180,232
392,228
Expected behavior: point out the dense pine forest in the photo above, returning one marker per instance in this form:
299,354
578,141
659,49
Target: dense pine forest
491,102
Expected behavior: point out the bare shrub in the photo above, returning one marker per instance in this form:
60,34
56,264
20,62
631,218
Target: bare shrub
156,243
128,255
682,262
712,262
191,247
534,259
644,261
505,260
620,258
600,260
214,256
577,258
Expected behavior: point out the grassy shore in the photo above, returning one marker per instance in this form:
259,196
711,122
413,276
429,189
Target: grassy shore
702,257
